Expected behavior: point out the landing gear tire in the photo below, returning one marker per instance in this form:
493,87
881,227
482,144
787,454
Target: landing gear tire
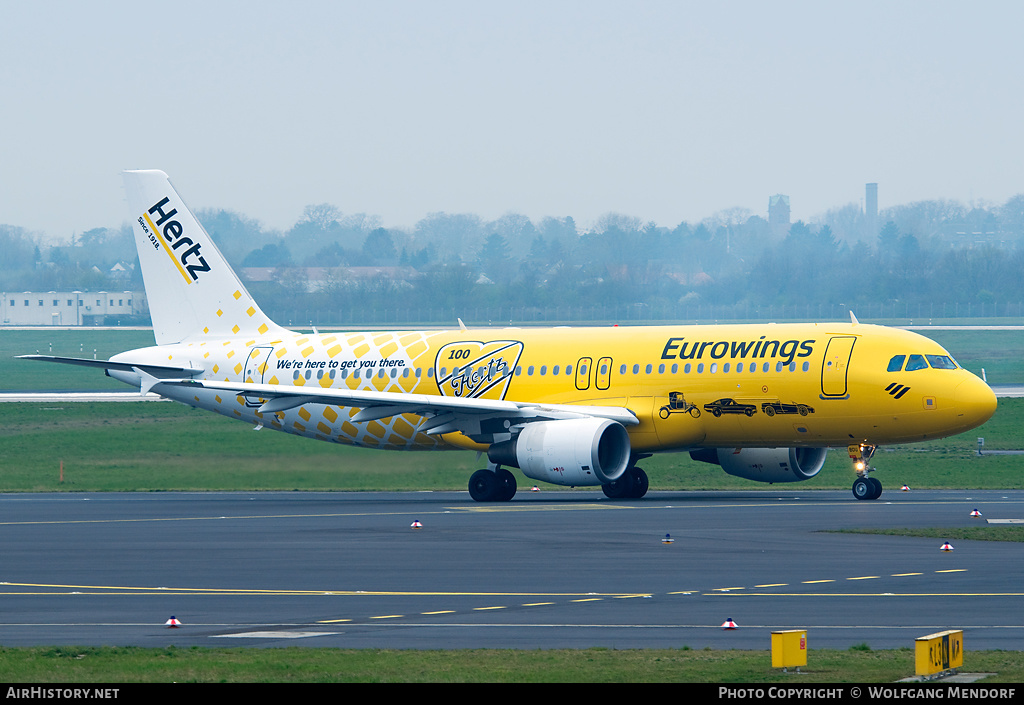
507,485
867,488
621,488
877,487
632,485
492,485
640,483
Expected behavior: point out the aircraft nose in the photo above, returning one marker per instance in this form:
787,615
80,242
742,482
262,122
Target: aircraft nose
975,402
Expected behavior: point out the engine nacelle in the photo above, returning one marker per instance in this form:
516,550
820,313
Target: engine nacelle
577,452
766,464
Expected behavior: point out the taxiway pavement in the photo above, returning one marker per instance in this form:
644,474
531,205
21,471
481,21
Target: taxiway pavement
547,570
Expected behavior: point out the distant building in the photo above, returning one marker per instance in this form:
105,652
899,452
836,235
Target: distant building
778,214
70,308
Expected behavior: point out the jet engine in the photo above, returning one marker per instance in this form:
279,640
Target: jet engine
577,452
765,464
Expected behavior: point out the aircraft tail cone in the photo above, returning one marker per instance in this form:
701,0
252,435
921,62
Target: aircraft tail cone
975,513
416,524
172,623
729,624
946,547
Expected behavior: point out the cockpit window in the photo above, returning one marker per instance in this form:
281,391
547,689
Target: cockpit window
896,363
941,362
916,362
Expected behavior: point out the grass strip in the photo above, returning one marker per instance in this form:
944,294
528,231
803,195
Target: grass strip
70,664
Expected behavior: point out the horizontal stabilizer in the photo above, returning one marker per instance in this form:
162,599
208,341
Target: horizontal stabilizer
155,370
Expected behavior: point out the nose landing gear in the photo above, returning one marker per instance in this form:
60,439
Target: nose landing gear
864,487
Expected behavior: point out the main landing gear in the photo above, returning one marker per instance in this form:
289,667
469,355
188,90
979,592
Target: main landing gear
864,487
632,485
497,485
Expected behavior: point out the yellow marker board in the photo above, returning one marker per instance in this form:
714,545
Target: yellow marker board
789,648
939,652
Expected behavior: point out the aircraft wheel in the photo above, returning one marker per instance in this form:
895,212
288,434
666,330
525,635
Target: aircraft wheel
507,485
484,486
863,488
621,488
640,483
876,488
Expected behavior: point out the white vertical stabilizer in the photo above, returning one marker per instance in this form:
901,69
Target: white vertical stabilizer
192,291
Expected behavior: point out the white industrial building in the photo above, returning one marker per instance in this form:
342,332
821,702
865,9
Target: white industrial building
70,308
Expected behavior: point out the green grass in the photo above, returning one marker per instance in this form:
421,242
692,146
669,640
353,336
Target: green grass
152,446
950,533
301,665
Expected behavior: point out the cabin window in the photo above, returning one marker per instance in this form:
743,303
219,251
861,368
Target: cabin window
686,368
675,368
661,369
725,367
916,362
529,371
806,366
636,369
568,369
941,362
554,370
622,369
714,368
700,367
648,369
896,363
739,366
543,370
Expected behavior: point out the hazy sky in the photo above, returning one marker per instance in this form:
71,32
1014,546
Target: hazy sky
667,111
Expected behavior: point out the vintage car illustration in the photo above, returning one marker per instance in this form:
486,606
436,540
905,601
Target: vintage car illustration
729,406
678,405
770,408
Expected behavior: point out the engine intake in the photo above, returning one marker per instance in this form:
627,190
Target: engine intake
577,452
766,464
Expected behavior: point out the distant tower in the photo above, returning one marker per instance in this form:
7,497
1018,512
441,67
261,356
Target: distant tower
778,214
871,209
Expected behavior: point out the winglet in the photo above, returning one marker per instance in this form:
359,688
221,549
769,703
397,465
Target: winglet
853,319
462,326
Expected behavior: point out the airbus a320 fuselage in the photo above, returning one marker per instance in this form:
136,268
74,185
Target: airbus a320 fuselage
569,406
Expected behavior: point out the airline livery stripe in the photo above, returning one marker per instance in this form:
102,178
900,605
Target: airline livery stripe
170,254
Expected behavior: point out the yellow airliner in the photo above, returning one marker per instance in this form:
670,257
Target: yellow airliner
569,406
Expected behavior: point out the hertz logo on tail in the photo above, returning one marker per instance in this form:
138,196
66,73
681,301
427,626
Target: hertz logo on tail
167,231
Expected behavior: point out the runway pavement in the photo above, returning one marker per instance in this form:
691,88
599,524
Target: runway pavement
549,569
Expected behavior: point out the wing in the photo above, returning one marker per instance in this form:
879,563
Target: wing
476,418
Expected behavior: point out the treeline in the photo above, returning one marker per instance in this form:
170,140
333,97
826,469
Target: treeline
926,253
